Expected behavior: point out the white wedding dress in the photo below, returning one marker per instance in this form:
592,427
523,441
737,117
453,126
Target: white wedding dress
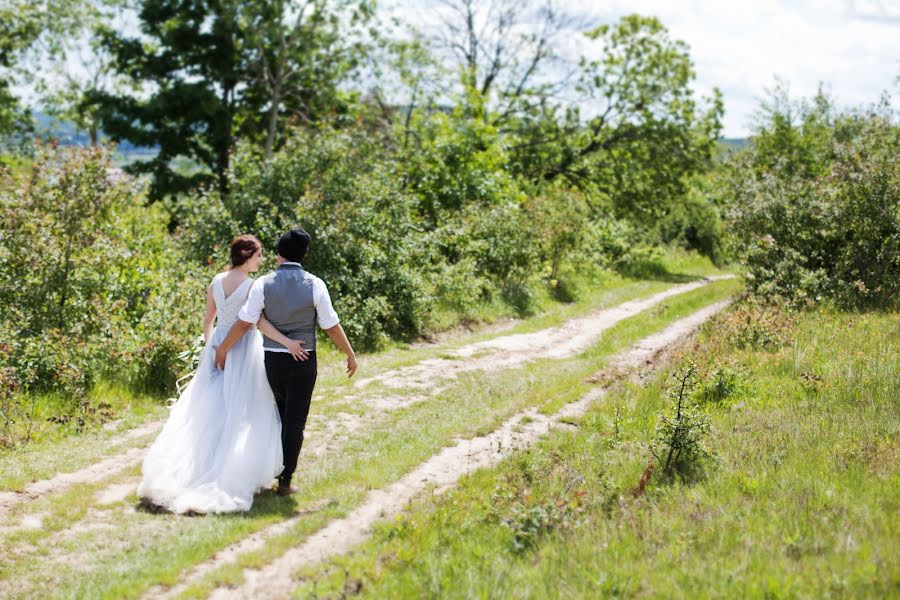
222,441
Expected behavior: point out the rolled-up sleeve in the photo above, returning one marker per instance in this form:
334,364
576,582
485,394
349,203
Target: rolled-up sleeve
325,312
254,304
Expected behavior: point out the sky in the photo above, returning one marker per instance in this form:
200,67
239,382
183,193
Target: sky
741,47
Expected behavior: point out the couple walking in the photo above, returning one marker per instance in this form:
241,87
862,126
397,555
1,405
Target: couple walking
240,421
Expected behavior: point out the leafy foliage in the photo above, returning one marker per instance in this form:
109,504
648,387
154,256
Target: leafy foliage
84,271
217,71
648,132
678,442
816,204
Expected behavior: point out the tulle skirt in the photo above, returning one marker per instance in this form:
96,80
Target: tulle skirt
222,441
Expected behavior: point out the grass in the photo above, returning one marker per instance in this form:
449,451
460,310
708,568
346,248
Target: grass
800,498
144,549
590,288
49,453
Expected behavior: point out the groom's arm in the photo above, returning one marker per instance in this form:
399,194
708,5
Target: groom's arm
247,317
340,340
329,322
234,334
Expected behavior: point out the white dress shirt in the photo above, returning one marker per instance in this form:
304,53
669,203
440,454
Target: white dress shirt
255,304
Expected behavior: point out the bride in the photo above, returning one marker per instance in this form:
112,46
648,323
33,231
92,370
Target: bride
222,441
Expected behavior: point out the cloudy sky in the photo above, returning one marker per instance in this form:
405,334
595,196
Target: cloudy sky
853,46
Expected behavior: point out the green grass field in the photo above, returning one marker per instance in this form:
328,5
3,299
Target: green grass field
801,497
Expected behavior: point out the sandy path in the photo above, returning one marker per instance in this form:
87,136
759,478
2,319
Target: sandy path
440,471
91,474
509,351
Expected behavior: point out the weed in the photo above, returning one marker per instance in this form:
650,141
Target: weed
678,442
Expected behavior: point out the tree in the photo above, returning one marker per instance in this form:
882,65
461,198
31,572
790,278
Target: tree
194,61
300,55
637,130
22,24
214,71
500,50
65,92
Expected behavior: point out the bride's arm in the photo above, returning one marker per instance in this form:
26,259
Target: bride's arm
209,316
294,346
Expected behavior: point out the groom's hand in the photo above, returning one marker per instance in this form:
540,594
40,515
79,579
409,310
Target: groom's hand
221,353
351,365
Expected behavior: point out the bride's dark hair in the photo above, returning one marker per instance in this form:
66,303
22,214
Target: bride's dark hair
242,248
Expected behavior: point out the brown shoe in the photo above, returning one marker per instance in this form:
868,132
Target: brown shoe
286,489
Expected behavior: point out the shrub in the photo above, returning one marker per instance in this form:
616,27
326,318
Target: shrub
719,385
756,325
694,223
83,265
501,245
457,161
558,219
367,244
816,209
678,441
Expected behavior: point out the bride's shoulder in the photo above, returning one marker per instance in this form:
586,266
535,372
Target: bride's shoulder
217,277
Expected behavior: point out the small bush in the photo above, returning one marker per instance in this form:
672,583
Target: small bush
529,524
678,441
719,385
757,325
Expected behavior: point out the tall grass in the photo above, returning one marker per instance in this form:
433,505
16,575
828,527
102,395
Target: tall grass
801,499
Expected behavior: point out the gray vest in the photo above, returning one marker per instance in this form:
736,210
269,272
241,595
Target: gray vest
289,305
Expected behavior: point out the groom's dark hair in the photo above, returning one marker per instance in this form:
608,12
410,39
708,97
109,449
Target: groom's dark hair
292,245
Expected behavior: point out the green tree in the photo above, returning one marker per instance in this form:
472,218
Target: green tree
301,52
794,136
217,71
66,93
24,23
194,58
645,133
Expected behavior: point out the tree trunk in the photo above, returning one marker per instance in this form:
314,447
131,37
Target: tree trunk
273,122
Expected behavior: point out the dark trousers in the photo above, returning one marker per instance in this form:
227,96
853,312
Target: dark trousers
292,384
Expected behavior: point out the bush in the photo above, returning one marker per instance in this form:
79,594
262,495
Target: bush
456,161
678,441
388,252
367,245
694,224
83,265
756,325
719,385
559,222
821,222
502,246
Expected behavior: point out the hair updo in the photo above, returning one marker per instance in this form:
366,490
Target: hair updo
242,248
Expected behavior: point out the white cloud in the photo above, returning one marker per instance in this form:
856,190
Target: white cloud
740,47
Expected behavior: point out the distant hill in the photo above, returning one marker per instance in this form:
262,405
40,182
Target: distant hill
728,146
67,134
734,143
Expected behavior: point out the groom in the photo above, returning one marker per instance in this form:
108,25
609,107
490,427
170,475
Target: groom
294,301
